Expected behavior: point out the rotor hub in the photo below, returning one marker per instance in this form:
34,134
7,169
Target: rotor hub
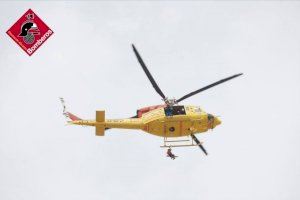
170,102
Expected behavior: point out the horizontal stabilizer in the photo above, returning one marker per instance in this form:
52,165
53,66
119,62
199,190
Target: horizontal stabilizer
100,120
100,130
100,116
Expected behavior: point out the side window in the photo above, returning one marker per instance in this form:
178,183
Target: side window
175,110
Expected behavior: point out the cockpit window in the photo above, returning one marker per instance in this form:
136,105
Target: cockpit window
175,110
210,117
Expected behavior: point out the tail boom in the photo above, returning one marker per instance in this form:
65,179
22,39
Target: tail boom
101,123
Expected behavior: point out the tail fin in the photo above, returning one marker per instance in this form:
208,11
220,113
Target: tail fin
67,114
100,119
72,116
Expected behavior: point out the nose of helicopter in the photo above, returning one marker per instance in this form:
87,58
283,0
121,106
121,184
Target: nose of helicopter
217,121
213,121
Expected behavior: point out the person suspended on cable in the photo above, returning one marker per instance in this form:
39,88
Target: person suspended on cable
170,154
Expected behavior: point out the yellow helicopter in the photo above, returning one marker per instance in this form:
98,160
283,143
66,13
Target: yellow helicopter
170,120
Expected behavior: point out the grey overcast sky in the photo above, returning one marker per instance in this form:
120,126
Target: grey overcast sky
254,154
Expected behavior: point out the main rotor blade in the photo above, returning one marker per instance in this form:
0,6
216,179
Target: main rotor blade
209,86
198,143
154,84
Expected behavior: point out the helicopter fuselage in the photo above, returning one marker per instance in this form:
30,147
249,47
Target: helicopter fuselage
176,121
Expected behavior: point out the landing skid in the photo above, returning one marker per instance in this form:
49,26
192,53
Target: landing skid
184,145
179,143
